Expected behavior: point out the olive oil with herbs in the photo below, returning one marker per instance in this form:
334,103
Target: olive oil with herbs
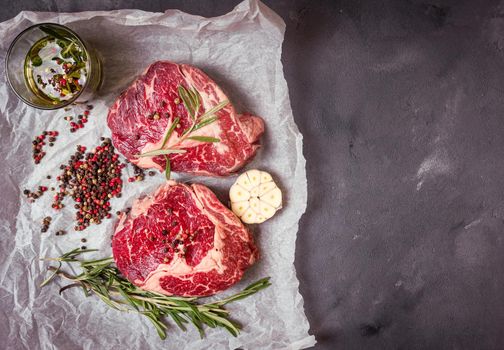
55,68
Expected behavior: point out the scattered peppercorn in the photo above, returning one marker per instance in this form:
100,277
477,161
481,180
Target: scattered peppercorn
81,118
91,179
32,196
39,142
139,174
46,222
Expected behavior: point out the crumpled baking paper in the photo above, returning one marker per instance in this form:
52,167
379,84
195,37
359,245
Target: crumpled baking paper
241,50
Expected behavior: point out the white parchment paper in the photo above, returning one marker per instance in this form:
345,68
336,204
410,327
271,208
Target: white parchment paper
241,51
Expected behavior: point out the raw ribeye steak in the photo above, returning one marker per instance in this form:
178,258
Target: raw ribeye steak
143,114
182,241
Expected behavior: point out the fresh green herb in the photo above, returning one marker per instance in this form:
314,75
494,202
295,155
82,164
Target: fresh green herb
205,123
36,60
54,32
167,168
170,131
191,99
68,45
159,152
101,278
203,138
214,110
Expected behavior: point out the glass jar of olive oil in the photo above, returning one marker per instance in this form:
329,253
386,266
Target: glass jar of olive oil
49,66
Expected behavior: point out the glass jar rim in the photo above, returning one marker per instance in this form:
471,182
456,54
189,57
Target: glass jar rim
63,103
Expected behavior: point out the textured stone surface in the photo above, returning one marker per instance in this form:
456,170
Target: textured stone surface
401,106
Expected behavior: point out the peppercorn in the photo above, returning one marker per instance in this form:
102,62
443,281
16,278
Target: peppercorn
87,179
38,143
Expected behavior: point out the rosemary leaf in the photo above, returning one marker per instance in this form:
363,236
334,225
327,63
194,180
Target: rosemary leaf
170,131
98,261
204,138
160,327
159,152
205,122
179,321
167,168
55,272
214,110
230,326
186,99
65,53
54,32
251,289
195,98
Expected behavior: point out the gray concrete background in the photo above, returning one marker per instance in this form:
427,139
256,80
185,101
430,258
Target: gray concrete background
401,107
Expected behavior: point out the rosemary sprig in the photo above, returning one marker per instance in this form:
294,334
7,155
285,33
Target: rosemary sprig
101,278
191,99
159,152
204,123
203,138
167,168
54,32
68,45
170,131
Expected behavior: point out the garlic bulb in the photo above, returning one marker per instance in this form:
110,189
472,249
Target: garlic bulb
255,197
